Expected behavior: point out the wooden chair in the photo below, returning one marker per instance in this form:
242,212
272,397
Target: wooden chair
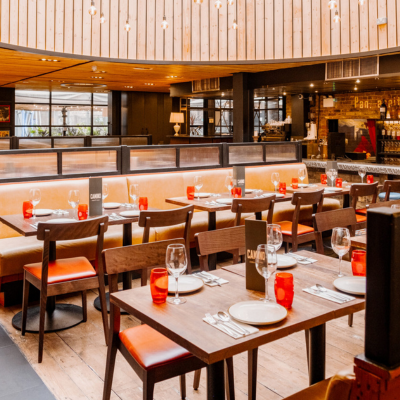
158,219
390,187
256,206
383,204
55,277
296,233
151,355
360,190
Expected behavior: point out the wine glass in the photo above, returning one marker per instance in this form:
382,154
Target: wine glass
34,197
198,184
229,184
302,174
105,191
275,179
176,262
266,263
332,174
341,244
274,236
362,171
134,193
73,199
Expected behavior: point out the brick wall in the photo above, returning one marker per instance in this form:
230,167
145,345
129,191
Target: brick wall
354,106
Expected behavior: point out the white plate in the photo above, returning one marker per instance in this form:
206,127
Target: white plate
186,284
333,189
110,206
303,185
132,213
202,195
249,190
256,312
225,201
41,212
285,261
61,221
278,195
351,284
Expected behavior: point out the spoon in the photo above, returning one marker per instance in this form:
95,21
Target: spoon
336,295
223,316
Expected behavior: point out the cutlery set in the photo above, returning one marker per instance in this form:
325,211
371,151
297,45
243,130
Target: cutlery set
208,278
223,321
328,294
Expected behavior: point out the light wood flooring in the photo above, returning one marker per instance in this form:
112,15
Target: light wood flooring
74,360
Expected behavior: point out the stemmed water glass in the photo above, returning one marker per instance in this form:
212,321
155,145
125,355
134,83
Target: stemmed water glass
198,184
266,262
275,179
104,194
176,261
274,236
34,197
302,174
341,243
134,193
362,171
332,174
74,199
229,184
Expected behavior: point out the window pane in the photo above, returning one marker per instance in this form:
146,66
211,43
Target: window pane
32,96
273,103
73,115
273,115
100,131
196,103
100,115
100,98
31,114
71,131
71,98
263,116
196,117
196,130
32,131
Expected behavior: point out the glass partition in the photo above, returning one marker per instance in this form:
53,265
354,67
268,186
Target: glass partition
245,154
69,142
104,141
85,162
153,159
286,152
34,143
199,157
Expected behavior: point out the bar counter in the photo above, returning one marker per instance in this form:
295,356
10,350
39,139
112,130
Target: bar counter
185,139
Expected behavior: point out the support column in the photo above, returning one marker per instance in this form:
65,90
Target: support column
243,109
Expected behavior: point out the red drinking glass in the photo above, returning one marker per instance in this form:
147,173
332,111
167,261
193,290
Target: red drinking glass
83,211
284,289
237,192
159,285
143,203
282,187
295,183
359,262
339,182
190,192
27,208
324,179
370,179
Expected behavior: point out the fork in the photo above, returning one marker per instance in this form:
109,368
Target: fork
210,277
227,330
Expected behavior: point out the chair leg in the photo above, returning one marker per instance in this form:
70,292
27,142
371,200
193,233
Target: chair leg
229,379
196,380
148,388
43,304
110,366
84,305
307,334
25,301
294,246
103,303
350,320
182,384
286,246
252,373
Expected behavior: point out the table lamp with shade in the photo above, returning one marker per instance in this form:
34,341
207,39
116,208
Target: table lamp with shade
177,118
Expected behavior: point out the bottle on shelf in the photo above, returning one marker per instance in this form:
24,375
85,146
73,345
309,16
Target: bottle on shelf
383,110
383,133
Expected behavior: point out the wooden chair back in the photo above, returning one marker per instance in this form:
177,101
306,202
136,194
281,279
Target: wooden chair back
390,186
326,221
360,189
229,239
256,206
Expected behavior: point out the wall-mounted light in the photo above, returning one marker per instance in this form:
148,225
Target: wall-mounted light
332,4
218,4
198,1
234,25
336,18
164,23
102,18
127,26
230,2
361,2
92,9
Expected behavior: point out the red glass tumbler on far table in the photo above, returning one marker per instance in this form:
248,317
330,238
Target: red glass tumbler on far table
27,208
143,203
282,187
159,285
324,179
370,179
83,211
237,192
359,262
295,183
190,192
284,289
339,182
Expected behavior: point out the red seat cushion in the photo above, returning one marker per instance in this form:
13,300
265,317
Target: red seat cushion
362,211
286,227
361,218
63,270
150,348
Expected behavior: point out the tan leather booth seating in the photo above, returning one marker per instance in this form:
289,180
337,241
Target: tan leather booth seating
16,251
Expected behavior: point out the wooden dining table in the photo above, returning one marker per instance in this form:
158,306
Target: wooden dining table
359,241
184,323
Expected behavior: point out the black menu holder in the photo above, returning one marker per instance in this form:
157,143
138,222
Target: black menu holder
238,178
256,233
95,196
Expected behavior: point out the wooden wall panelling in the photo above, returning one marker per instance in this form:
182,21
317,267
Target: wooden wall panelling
391,28
325,30
345,27
196,36
382,29
205,31
177,30
354,27
123,34
32,18
105,30
50,8
288,28
5,21
69,27
297,29
87,29
135,113
159,40
241,31
132,37
151,29
59,26
214,32
41,24
250,32
232,54
364,27
150,113
78,25
169,33
114,33
223,32
307,29
22,22
186,21
278,28
316,33
398,24
269,29
95,32
373,28
335,34
260,29
14,22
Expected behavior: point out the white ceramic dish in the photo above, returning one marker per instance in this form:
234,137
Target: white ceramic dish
285,261
61,221
249,190
201,195
225,201
111,206
41,212
186,284
332,189
278,195
257,312
351,284
132,213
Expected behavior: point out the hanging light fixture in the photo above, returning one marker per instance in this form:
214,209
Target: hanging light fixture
230,2
218,4
361,2
198,1
332,4
234,25
127,26
336,18
164,23
102,18
92,9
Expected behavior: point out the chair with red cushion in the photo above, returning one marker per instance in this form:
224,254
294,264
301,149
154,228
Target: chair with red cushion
360,190
296,233
151,355
56,277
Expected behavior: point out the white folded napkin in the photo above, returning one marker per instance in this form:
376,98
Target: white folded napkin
301,259
361,232
209,283
249,328
330,295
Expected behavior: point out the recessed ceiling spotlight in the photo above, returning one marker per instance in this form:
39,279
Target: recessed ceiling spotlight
312,85
284,93
142,68
356,88
173,76
129,87
97,77
149,84
42,59
49,60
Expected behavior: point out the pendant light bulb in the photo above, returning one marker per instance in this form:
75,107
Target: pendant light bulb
92,9
127,26
361,2
218,4
102,18
234,25
164,23
332,4
198,1
336,18
231,2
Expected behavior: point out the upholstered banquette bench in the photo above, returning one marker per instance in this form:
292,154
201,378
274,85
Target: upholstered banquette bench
16,251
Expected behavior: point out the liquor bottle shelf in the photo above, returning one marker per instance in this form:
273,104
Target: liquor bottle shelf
389,154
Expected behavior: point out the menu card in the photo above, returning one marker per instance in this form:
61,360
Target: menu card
256,233
238,178
95,196
331,165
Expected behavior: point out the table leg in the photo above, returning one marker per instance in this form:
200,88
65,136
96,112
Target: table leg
212,226
215,381
316,357
346,201
252,373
